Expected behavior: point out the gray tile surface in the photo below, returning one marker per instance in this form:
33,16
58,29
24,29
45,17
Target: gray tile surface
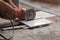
37,22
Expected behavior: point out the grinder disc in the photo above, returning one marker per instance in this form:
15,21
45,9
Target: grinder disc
30,14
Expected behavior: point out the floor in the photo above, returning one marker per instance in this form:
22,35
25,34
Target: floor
50,32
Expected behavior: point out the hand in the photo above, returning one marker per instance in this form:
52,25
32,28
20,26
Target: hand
11,3
8,10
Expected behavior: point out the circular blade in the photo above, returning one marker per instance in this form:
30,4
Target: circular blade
30,14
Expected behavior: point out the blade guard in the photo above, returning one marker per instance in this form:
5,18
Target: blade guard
30,14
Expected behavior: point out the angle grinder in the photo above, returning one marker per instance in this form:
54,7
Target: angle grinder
28,14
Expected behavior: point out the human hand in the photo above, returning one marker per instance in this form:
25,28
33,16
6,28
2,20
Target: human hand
8,10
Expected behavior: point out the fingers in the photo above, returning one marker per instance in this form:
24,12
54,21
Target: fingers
11,3
8,9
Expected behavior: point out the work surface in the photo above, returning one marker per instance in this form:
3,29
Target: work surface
51,32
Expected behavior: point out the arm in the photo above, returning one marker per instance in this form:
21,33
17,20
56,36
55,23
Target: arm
10,11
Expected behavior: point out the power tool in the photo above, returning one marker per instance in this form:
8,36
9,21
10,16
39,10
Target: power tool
28,14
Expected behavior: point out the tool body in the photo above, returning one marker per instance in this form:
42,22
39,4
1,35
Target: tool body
28,14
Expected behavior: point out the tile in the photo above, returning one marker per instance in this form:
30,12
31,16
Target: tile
41,14
37,22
